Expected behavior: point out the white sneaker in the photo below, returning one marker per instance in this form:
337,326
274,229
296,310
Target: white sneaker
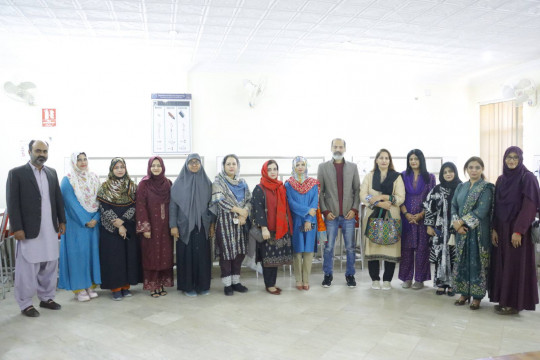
82,296
386,285
92,293
376,285
406,284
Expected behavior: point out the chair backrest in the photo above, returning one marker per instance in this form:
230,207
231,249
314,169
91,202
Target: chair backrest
3,226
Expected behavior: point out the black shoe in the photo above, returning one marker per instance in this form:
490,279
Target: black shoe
327,280
50,304
228,290
30,311
240,288
350,281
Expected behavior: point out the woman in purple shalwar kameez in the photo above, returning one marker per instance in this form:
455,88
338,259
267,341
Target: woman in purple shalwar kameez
414,238
513,282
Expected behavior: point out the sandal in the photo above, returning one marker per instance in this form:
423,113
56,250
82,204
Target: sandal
440,291
154,294
462,300
451,292
162,292
299,286
475,304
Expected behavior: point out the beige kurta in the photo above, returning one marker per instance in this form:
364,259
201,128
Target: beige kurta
381,252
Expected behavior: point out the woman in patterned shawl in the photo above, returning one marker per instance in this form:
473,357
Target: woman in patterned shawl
471,218
303,197
152,214
119,246
270,211
438,220
79,246
231,204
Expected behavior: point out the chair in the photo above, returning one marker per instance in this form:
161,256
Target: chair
6,263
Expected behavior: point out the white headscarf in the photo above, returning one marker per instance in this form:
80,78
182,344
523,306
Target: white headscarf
85,185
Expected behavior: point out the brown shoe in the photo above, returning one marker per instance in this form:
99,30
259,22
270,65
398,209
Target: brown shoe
30,311
306,286
50,304
273,292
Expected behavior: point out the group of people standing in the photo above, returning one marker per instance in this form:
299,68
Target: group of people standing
120,234
477,235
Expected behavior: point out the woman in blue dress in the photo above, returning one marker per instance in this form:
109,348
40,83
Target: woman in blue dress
303,198
79,246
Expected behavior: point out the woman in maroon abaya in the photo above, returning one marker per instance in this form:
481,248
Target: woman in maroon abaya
513,281
152,214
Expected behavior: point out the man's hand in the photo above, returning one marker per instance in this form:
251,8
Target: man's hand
330,216
350,215
19,235
174,233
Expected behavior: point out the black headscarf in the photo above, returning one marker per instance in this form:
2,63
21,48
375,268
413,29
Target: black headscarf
449,184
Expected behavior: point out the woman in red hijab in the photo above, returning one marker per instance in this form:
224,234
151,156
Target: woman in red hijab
513,281
270,212
152,213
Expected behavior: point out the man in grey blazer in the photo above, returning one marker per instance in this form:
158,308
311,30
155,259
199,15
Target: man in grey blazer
36,216
339,201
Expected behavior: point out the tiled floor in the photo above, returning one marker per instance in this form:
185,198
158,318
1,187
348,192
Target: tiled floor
333,323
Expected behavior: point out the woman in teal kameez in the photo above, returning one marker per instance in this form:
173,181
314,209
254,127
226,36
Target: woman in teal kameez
471,215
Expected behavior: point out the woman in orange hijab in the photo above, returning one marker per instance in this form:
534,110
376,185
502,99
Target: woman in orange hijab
270,212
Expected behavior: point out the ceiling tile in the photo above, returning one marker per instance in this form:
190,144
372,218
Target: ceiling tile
280,15
258,4
273,24
308,18
320,7
60,4
129,16
104,25
221,11
93,4
191,10
301,26
98,15
6,10
217,20
292,5
373,13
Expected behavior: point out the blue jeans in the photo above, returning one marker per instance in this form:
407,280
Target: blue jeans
347,229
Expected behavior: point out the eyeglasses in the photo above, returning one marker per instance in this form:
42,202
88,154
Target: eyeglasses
512,158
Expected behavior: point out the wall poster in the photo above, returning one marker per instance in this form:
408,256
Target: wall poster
171,128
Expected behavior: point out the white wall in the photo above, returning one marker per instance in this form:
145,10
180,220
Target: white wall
102,94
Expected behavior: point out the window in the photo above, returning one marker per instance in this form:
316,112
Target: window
501,126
